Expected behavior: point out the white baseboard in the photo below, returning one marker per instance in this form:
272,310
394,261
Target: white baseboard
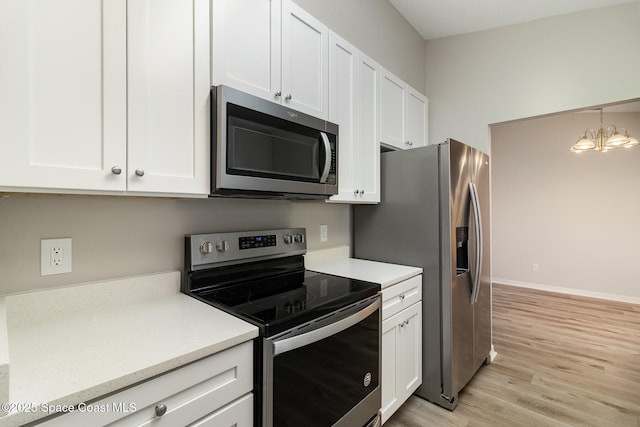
569,291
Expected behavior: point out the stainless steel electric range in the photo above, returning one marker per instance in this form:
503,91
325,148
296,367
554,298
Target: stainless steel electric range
317,359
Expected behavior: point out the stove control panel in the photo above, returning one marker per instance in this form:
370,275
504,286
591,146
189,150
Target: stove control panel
252,242
207,250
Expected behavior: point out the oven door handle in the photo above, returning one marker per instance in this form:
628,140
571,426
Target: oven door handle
310,337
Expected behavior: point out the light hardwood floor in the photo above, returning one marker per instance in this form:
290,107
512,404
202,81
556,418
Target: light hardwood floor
562,360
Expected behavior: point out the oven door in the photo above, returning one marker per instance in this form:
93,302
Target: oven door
326,373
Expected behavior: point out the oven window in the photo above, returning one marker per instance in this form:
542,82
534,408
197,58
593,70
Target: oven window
318,384
265,146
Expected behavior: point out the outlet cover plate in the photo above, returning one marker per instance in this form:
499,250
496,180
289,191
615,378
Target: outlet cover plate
323,233
55,256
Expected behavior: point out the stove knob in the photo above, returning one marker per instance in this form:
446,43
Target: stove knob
222,246
287,239
206,248
298,238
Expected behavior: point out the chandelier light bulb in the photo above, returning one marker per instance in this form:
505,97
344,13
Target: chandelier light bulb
632,142
617,140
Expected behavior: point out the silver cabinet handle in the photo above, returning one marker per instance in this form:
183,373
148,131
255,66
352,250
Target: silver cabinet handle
278,94
160,409
116,170
140,172
288,97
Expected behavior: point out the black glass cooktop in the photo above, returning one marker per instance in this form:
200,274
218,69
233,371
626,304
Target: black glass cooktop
277,295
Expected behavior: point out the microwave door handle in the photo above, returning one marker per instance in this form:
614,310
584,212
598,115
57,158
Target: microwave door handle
288,344
327,158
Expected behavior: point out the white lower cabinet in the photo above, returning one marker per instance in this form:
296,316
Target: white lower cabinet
215,390
401,344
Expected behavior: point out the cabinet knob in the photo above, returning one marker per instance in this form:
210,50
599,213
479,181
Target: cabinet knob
160,409
361,192
116,170
402,297
355,192
140,172
288,97
410,144
278,94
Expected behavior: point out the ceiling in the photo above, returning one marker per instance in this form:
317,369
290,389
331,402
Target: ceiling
441,18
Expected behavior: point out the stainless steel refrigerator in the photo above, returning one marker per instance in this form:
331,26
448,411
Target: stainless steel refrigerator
434,214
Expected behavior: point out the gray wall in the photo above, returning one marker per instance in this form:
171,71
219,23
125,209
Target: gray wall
123,236
531,69
376,28
572,214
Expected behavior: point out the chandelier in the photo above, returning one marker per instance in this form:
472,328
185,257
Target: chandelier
604,139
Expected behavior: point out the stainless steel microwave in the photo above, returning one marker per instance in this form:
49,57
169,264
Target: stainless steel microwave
263,149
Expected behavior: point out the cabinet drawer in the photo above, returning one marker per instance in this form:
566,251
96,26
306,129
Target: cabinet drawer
189,393
238,413
397,297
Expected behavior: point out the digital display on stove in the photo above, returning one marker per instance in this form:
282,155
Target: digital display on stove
252,242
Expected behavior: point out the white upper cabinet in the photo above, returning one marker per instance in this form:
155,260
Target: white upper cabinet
392,110
417,118
63,85
168,96
368,152
272,49
95,91
403,113
305,66
353,105
246,44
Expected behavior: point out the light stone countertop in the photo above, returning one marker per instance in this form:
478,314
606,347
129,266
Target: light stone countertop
336,261
74,344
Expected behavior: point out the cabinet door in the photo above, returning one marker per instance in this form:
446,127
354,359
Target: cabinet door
305,70
368,142
417,118
343,73
168,96
401,358
409,351
246,46
63,94
389,382
392,110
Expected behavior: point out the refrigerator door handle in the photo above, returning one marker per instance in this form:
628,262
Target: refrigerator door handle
477,219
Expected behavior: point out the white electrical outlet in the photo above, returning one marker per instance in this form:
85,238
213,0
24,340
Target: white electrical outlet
55,256
535,267
323,233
